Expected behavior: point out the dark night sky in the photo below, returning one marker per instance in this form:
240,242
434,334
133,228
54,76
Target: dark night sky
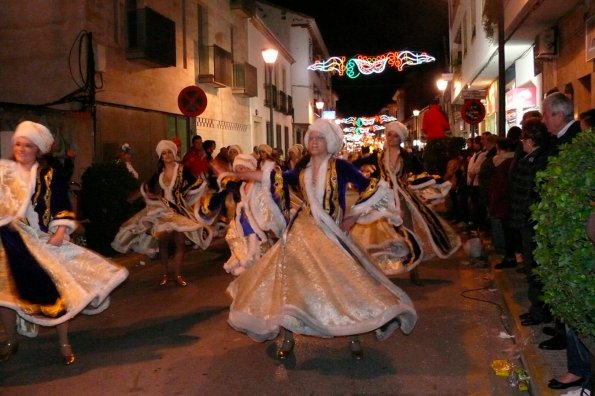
373,27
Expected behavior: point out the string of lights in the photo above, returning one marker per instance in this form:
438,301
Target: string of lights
366,65
366,121
366,129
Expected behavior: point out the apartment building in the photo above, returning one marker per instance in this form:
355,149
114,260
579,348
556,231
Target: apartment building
544,50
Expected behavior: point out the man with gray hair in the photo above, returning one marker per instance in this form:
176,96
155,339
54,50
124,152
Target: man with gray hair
558,116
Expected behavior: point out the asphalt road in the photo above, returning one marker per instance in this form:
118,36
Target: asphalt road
170,340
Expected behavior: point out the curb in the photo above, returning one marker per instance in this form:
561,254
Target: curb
532,357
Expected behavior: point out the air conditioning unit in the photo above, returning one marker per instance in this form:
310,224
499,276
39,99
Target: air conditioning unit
546,46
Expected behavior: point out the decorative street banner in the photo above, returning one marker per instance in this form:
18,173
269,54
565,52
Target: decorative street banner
363,64
361,125
359,121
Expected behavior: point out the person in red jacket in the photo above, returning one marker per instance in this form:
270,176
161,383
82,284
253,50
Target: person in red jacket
434,124
196,158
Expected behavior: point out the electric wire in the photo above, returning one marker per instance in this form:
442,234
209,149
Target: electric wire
81,94
500,308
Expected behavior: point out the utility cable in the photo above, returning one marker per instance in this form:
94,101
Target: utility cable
500,308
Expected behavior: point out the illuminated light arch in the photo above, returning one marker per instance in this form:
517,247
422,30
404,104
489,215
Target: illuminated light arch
359,121
366,65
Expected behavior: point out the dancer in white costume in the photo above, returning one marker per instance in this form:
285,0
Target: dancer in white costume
432,234
315,280
44,279
258,223
173,197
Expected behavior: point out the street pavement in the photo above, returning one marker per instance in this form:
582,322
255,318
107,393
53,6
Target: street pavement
175,341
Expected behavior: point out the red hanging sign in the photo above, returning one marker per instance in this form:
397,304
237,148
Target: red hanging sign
473,111
192,101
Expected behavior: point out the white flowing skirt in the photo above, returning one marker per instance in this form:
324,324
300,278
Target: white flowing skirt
310,285
83,278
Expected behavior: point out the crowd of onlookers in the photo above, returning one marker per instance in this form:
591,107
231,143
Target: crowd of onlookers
493,189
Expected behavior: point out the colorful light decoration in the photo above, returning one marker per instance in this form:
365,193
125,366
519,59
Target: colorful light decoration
364,125
363,64
360,130
366,121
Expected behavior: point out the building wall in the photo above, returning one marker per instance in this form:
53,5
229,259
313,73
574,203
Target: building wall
36,39
302,77
570,72
260,114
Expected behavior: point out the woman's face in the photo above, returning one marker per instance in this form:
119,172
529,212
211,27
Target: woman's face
393,139
232,154
317,143
528,145
168,156
263,155
127,157
25,151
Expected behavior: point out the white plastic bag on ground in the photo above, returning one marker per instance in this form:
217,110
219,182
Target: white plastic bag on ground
473,247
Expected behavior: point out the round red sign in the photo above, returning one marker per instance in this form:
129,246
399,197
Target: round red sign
473,111
192,101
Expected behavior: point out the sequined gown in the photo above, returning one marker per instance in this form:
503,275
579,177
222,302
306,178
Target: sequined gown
181,208
257,222
433,235
46,284
315,280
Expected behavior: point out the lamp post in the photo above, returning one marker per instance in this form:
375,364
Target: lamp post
270,57
320,106
442,85
416,115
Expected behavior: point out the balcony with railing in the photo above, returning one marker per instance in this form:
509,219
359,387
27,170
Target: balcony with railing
245,8
282,102
289,105
245,78
151,38
215,66
268,101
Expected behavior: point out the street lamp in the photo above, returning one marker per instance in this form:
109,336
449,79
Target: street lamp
270,57
416,115
442,85
320,106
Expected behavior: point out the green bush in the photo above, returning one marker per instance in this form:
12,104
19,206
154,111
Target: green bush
105,189
564,251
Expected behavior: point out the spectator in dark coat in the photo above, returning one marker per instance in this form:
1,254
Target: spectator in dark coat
535,141
498,199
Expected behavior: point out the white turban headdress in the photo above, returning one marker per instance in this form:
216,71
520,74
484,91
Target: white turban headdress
331,132
166,145
246,160
235,147
266,148
399,128
36,133
296,148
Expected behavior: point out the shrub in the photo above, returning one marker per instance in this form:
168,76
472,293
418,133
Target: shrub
564,251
